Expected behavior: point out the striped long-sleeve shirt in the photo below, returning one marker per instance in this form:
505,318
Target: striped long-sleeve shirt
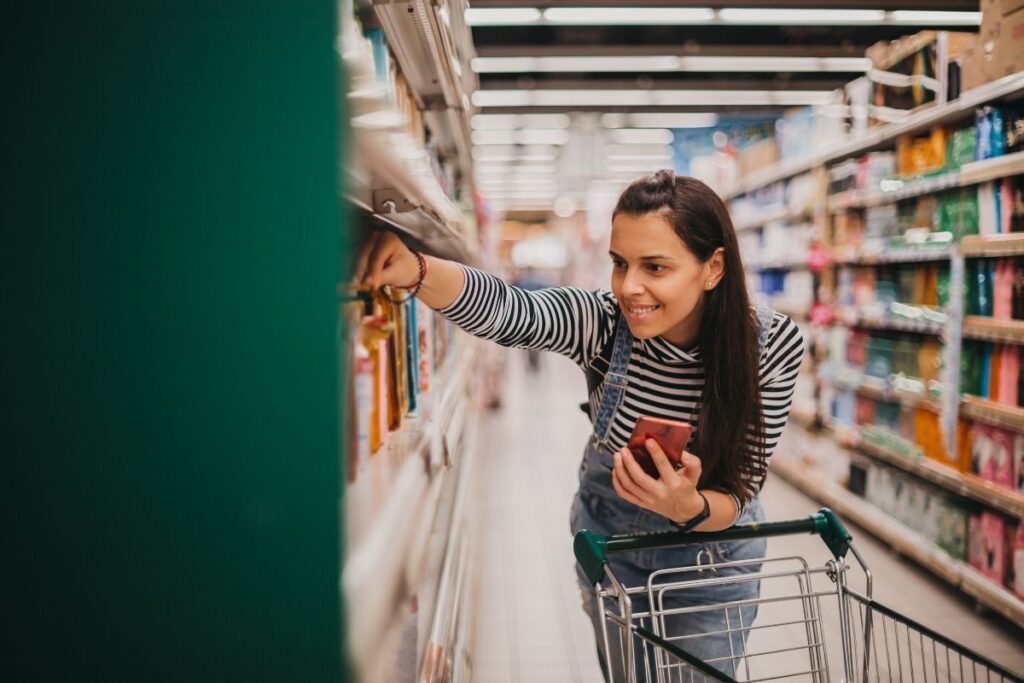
663,380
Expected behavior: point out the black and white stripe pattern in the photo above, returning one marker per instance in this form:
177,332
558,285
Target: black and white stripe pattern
663,380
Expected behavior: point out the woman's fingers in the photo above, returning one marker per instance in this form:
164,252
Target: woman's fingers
625,477
661,460
364,257
692,467
621,490
646,482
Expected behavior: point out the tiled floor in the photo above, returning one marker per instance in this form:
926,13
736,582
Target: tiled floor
530,626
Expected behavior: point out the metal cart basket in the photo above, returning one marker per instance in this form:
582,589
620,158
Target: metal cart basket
811,624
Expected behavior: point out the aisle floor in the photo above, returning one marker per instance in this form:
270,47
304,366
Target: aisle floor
530,626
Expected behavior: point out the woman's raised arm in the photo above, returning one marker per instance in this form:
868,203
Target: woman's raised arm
387,261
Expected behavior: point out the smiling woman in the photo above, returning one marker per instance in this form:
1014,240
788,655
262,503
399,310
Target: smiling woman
675,338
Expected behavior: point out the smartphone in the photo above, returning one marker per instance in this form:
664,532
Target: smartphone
671,435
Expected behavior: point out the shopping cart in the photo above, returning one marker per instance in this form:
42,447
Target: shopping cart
811,623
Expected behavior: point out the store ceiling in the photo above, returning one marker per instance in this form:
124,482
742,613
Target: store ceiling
714,58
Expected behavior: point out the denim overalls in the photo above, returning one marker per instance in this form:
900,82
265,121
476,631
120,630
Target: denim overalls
599,508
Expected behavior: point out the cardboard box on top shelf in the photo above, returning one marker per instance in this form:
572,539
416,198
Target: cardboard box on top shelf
758,155
998,50
925,57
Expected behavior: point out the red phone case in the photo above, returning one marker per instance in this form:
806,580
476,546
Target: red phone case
671,435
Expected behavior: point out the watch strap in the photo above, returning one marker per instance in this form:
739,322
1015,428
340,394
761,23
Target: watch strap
696,521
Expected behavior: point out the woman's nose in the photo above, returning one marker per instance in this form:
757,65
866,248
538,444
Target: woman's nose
632,284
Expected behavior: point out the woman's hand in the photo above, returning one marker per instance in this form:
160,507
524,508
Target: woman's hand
673,496
387,261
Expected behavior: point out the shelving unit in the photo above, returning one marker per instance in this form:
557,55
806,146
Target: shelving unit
949,325
407,553
901,538
1008,88
990,329
970,174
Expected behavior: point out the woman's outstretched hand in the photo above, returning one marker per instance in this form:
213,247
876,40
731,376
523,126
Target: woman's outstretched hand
387,261
674,495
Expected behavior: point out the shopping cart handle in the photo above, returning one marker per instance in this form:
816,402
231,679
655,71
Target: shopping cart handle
592,550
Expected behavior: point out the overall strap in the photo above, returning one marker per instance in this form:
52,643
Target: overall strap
765,316
614,380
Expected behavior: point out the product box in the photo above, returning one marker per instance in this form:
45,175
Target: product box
999,469
996,52
1017,562
758,155
912,72
987,546
951,527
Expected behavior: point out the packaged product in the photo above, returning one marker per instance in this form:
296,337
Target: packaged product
951,527
999,468
1018,562
982,445
1018,462
1009,372
987,545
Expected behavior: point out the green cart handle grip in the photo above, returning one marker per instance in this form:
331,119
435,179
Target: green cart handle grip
592,550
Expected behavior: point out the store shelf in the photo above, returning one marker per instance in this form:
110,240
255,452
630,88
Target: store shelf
992,169
780,265
990,329
966,485
991,412
853,318
969,174
993,245
960,109
900,537
436,64
784,214
922,254
388,505
879,390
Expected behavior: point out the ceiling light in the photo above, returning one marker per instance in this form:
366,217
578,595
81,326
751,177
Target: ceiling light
652,158
563,64
641,136
503,16
782,17
665,63
656,98
527,136
531,168
935,18
682,120
650,150
510,121
770,64
590,16
650,167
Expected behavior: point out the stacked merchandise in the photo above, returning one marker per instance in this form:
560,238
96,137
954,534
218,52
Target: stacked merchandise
995,52
394,352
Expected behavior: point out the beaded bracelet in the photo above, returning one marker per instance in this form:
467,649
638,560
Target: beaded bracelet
414,289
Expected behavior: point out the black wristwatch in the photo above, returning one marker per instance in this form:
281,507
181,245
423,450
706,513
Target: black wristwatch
696,521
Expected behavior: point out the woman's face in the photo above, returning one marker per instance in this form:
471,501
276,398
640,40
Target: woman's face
658,281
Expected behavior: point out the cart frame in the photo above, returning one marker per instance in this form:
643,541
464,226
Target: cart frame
876,642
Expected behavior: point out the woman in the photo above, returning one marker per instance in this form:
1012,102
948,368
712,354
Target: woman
676,337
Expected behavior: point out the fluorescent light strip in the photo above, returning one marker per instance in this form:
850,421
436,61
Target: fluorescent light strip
625,16
651,158
529,136
667,63
636,98
918,18
743,15
513,121
682,120
504,16
641,136
652,150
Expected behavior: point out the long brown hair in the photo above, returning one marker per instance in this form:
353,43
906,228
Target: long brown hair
730,406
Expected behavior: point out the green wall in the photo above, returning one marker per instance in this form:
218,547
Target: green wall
169,258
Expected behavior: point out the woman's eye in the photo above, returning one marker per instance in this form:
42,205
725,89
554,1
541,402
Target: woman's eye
618,264
655,267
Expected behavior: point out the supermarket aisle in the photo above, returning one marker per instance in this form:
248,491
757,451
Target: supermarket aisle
529,623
